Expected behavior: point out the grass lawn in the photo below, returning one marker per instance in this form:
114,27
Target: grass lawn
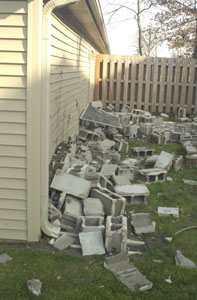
67,276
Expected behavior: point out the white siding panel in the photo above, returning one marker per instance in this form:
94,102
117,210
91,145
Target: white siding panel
14,151
13,139
12,82
13,45
12,93
13,20
13,128
19,7
13,32
13,57
13,204
11,69
13,234
12,117
12,105
10,224
14,173
15,162
9,183
14,194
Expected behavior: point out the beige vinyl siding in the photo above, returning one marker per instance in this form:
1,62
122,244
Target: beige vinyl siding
13,96
70,82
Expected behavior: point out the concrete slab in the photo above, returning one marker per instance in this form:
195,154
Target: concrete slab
98,116
92,243
142,223
127,273
168,211
164,161
4,258
64,241
183,261
108,170
70,184
120,180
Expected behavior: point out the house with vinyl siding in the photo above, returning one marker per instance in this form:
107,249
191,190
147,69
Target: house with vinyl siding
47,64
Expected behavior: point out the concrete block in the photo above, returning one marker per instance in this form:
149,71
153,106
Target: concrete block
177,162
164,161
151,160
70,184
152,175
168,211
127,273
134,193
72,212
64,241
142,223
105,183
92,243
114,204
92,223
93,207
127,171
142,151
183,261
116,234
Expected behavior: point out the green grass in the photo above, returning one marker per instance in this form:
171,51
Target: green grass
86,278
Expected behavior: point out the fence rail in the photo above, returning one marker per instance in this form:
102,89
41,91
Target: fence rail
153,84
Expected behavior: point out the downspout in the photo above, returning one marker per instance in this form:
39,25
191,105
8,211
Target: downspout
46,227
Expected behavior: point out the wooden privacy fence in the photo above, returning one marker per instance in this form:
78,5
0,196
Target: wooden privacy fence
147,83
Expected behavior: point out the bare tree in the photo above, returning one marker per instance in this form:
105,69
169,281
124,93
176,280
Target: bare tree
135,10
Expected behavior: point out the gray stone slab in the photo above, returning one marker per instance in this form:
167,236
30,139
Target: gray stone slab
65,241
142,223
4,258
131,189
127,273
70,184
92,243
34,285
95,115
168,211
120,180
108,170
183,261
164,161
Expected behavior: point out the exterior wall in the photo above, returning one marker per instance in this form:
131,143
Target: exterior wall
72,65
13,121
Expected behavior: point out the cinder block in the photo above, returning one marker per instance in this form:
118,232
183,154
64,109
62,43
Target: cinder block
116,234
93,207
72,212
134,193
91,224
114,204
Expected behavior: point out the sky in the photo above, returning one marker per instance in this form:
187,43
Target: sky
122,35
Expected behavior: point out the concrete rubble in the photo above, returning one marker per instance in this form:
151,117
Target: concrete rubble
127,273
90,185
4,258
183,261
34,286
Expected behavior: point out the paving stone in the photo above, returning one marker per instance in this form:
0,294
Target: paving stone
127,273
92,243
168,211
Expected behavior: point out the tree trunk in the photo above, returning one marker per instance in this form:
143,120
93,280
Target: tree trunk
139,24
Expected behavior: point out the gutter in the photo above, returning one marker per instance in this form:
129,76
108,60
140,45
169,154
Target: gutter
48,8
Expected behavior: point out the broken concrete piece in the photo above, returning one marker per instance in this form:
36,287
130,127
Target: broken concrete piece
4,258
182,261
134,193
65,241
134,253
120,180
34,285
127,273
142,223
98,116
190,182
72,212
92,243
135,243
168,211
93,207
164,161
151,160
70,184
116,234
152,175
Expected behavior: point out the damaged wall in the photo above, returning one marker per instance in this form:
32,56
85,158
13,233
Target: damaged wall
72,80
